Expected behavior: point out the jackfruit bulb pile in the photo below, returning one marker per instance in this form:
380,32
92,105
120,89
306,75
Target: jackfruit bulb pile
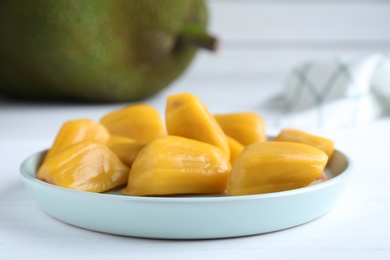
192,152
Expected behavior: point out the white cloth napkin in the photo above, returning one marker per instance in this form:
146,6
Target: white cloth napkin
334,93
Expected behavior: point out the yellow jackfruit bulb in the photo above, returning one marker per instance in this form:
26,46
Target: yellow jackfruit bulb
235,148
85,166
125,148
187,116
266,167
178,165
293,135
127,151
140,122
117,139
246,128
75,131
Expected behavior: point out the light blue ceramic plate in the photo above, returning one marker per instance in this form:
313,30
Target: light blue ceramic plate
188,217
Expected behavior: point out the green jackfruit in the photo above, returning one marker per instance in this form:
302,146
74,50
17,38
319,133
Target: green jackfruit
97,50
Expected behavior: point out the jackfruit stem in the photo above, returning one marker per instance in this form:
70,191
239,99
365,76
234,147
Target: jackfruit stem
198,37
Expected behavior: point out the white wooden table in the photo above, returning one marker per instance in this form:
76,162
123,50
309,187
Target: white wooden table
240,77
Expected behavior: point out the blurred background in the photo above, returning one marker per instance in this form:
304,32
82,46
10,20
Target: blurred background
262,40
268,37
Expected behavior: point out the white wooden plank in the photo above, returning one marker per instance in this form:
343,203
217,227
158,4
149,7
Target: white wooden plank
259,62
319,2
254,21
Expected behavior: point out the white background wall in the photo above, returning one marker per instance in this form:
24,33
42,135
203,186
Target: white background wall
265,38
